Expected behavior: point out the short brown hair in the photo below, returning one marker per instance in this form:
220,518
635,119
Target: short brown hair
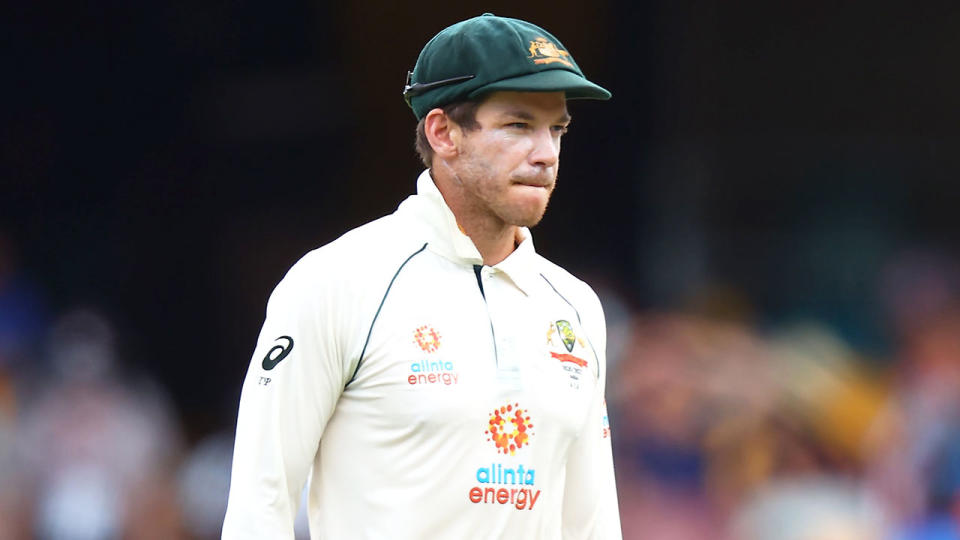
462,113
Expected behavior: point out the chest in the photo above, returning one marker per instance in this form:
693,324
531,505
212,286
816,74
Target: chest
450,348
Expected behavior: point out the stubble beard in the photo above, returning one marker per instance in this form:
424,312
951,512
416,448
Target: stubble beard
486,194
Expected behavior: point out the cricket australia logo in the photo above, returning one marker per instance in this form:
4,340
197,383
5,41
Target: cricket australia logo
543,51
566,346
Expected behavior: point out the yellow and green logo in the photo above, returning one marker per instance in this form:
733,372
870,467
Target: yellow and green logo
543,51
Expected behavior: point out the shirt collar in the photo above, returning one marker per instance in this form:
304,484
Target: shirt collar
448,240
520,265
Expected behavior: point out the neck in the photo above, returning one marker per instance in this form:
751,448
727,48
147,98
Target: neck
494,238
494,245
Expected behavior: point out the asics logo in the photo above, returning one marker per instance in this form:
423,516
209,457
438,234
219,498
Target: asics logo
271,360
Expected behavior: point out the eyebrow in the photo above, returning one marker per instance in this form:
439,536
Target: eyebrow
524,115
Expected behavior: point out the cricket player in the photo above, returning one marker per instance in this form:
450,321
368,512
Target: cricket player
429,374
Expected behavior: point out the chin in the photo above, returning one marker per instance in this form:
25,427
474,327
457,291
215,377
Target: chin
527,217
530,223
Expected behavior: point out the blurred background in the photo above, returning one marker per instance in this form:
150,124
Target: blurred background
768,208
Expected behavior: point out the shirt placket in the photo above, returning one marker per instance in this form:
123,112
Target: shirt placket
503,311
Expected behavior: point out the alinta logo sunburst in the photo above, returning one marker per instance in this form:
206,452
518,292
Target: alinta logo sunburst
509,428
427,338
512,483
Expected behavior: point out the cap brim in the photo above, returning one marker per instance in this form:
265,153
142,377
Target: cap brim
553,80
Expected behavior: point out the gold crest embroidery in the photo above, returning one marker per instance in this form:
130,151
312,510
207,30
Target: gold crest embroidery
543,51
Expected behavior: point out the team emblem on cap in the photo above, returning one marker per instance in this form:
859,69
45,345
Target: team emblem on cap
542,51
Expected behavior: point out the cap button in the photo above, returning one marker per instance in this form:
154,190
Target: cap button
488,14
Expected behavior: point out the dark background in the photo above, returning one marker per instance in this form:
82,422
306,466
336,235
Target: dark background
167,162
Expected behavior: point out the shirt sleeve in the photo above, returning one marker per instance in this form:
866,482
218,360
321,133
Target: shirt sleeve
294,380
590,507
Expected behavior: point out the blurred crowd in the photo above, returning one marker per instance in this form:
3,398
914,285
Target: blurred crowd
724,426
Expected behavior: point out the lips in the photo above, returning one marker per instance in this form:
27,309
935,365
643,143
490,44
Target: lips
534,182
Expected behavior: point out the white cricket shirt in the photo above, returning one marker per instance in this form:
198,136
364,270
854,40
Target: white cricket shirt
424,395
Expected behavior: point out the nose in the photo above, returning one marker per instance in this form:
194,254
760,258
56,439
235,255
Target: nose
546,149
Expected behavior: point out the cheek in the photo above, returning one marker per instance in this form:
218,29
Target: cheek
499,160
497,156
508,148
513,158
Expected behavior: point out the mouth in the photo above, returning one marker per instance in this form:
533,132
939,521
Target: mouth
535,183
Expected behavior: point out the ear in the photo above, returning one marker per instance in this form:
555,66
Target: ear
442,133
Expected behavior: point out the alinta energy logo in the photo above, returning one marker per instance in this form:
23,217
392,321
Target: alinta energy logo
427,338
605,430
430,370
509,428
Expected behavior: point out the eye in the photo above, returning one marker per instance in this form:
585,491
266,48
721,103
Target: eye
559,129
518,125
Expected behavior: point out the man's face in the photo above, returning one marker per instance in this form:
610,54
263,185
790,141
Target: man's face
508,167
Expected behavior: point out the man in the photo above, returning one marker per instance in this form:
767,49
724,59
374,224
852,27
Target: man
431,374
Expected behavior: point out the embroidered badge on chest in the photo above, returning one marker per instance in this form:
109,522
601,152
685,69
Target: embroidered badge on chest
567,349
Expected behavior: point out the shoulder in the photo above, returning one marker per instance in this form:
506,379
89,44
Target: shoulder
573,289
584,301
356,261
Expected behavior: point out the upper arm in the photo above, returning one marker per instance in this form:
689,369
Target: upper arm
590,507
297,372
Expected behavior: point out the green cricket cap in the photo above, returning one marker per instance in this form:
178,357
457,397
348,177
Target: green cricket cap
489,53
